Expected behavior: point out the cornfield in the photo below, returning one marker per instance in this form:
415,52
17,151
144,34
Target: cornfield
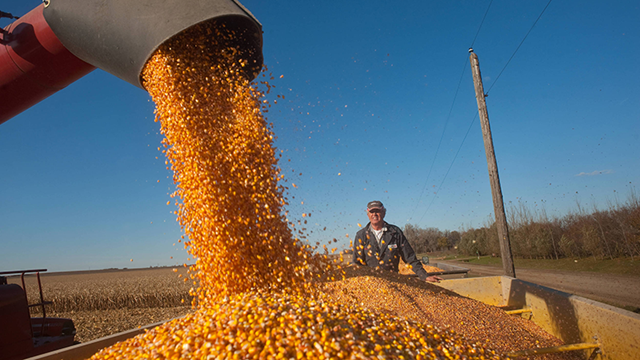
110,290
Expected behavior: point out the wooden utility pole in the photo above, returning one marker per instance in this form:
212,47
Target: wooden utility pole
496,191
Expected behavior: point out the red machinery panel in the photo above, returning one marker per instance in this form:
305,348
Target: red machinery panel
33,64
15,332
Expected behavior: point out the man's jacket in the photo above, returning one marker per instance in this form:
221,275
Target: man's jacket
394,245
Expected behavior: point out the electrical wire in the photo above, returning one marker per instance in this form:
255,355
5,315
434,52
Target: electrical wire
426,182
455,96
487,92
518,48
450,166
482,22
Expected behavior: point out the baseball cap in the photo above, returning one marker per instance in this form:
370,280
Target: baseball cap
375,205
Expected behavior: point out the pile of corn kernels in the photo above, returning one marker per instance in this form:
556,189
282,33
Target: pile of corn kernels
281,326
259,294
408,297
406,269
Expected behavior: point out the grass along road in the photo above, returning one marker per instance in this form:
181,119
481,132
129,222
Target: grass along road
620,266
622,290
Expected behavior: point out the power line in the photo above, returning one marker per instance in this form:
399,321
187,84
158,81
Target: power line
487,92
482,22
455,96
450,166
426,182
518,48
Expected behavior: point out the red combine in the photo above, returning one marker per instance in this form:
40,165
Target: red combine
23,336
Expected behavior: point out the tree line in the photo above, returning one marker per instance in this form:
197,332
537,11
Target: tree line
601,234
430,239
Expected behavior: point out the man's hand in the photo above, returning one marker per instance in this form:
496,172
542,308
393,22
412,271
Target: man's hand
435,279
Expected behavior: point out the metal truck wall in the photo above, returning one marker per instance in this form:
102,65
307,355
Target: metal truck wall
571,318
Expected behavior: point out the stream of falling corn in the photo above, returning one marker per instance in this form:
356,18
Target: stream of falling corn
258,294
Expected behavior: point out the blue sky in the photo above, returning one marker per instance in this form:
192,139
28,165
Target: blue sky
369,92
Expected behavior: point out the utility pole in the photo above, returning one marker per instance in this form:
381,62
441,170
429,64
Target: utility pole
496,191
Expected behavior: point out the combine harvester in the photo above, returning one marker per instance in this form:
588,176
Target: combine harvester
63,40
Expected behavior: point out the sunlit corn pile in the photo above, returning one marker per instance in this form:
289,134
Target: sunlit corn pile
408,297
406,269
256,297
289,327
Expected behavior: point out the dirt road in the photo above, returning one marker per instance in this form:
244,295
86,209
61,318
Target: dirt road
613,289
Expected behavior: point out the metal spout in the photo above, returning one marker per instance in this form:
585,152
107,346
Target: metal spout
119,36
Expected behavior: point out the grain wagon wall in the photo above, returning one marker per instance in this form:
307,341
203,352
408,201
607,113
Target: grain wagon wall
571,318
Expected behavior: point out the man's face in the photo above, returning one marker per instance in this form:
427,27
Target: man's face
376,217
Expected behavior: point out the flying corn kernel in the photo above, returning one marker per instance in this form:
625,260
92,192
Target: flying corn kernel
256,294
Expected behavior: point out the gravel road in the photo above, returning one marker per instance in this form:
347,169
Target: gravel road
620,290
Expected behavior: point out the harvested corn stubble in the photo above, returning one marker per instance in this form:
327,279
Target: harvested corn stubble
259,291
95,324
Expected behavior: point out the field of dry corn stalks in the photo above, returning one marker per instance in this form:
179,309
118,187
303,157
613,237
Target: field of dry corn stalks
110,301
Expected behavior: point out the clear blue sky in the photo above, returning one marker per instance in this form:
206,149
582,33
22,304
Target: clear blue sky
369,92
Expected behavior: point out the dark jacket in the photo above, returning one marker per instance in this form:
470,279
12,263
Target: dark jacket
394,246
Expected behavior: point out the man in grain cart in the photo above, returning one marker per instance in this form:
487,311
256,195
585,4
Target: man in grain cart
381,245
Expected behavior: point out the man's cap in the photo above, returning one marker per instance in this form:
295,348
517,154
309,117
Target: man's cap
375,205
